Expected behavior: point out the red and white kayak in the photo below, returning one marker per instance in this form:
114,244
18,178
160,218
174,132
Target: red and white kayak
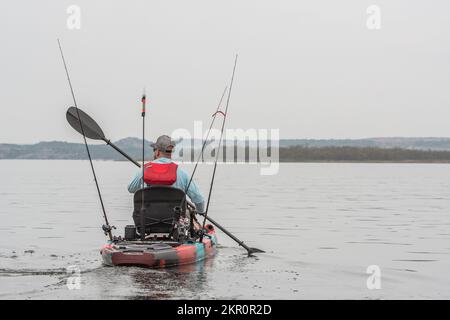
159,254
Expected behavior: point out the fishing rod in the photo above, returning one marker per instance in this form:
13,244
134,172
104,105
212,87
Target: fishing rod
206,140
184,200
218,148
205,143
142,218
205,214
106,227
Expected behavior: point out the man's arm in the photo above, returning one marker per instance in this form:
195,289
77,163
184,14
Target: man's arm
194,192
196,196
199,201
136,183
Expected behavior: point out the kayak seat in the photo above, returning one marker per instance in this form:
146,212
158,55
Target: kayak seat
160,203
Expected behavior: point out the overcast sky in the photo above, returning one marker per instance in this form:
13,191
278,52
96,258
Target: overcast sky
310,68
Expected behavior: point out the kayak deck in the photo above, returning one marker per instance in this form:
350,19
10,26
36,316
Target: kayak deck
159,254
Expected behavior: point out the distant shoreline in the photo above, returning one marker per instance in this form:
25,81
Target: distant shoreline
396,152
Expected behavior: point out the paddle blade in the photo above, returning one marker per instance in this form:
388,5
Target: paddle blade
90,127
254,250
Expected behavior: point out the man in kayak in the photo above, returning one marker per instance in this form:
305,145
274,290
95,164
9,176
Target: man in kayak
162,171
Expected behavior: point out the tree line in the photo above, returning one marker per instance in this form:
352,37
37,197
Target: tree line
361,154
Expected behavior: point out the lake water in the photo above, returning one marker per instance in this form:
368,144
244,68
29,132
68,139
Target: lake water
321,225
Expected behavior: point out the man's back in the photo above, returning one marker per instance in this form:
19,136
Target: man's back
182,181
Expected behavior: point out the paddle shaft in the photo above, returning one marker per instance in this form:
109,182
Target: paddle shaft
239,242
109,143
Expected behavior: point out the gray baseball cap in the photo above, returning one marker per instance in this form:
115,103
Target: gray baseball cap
164,143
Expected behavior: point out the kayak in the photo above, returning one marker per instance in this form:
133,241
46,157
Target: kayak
159,254
164,218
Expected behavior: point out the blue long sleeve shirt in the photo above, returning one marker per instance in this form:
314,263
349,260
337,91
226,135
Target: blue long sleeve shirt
182,182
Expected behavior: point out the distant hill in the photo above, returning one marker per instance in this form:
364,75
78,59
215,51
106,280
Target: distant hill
371,149
66,150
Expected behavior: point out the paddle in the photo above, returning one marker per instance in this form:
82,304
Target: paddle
91,129
239,242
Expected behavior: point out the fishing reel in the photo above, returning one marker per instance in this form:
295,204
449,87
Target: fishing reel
200,233
107,229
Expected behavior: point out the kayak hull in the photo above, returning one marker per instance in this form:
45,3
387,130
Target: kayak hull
159,254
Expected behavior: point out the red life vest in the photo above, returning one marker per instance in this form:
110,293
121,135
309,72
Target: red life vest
160,173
